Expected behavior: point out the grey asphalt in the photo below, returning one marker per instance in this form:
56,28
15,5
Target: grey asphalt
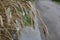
29,33
50,13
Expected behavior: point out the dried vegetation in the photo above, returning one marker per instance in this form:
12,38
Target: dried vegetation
14,16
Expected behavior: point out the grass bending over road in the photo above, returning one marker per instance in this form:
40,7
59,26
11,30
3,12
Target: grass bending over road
14,16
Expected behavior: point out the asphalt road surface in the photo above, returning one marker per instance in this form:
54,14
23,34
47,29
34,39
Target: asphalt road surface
50,13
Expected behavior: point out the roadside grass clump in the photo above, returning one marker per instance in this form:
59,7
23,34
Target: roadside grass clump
14,16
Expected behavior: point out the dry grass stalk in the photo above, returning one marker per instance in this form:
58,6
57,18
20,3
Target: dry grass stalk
11,18
14,16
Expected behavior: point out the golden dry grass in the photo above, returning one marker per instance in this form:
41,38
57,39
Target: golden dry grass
14,16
